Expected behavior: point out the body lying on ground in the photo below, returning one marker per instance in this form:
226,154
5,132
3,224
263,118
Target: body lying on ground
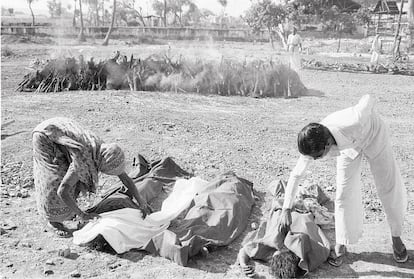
291,253
196,214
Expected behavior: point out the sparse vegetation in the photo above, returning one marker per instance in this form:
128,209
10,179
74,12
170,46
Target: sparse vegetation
6,51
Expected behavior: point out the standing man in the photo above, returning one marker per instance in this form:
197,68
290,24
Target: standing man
294,45
348,135
376,50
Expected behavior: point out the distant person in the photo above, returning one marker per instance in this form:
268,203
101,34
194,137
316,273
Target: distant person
66,161
349,135
375,50
294,45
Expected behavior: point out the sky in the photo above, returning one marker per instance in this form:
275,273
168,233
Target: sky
234,7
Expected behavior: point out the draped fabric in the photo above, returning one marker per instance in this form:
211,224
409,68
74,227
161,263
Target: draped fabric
195,214
305,239
60,145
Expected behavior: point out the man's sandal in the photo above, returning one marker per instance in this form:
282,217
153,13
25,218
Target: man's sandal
400,257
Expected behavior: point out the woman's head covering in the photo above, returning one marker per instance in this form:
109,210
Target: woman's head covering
112,159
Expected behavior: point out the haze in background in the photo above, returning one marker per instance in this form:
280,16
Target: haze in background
234,7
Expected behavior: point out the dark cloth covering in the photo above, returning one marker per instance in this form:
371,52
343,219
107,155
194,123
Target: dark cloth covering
214,218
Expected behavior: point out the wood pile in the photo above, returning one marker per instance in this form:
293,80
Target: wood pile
65,74
396,69
163,73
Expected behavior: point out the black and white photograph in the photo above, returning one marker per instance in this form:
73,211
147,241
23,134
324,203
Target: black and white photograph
207,139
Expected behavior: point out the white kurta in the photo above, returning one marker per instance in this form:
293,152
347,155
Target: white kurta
293,43
358,131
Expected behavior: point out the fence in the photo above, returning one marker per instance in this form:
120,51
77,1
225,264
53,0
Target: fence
181,33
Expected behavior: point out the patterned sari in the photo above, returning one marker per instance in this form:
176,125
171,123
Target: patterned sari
60,145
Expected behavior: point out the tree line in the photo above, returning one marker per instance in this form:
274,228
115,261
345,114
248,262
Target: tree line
262,14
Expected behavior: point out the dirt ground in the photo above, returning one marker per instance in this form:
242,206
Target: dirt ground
206,135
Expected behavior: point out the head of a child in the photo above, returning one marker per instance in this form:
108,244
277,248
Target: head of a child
284,264
315,140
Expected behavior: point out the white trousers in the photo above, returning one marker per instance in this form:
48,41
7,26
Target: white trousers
348,204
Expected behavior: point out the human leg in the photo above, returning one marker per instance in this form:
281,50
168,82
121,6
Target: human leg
348,206
348,201
392,194
244,260
49,167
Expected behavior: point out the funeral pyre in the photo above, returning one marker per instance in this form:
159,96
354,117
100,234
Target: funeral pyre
391,68
162,73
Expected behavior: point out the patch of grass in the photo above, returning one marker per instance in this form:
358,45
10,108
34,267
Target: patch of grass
6,51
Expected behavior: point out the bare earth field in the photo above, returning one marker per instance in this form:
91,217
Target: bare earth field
207,135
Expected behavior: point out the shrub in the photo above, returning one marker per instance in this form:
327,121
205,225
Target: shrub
6,51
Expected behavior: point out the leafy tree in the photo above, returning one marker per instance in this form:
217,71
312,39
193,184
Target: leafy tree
338,22
192,15
129,14
363,16
106,40
55,8
93,11
178,8
161,8
31,10
266,14
223,3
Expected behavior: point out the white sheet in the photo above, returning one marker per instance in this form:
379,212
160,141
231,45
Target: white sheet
124,229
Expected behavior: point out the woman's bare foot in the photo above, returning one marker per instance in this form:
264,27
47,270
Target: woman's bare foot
60,229
243,260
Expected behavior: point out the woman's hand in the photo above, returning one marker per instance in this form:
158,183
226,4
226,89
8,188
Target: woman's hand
285,220
129,183
146,209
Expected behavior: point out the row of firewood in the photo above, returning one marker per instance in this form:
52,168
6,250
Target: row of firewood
358,67
162,73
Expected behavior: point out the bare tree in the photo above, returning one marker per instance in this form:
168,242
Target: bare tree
223,3
106,40
165,13
74,14
81,36
411,21
31,11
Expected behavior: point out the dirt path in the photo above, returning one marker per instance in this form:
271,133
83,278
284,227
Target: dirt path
206,135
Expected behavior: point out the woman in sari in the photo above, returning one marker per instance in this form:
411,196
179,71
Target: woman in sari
66,161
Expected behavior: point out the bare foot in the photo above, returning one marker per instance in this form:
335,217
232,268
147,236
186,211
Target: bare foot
60,229
243,260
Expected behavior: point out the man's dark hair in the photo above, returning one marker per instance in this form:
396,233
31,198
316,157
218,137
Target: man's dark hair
284,265
313,138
